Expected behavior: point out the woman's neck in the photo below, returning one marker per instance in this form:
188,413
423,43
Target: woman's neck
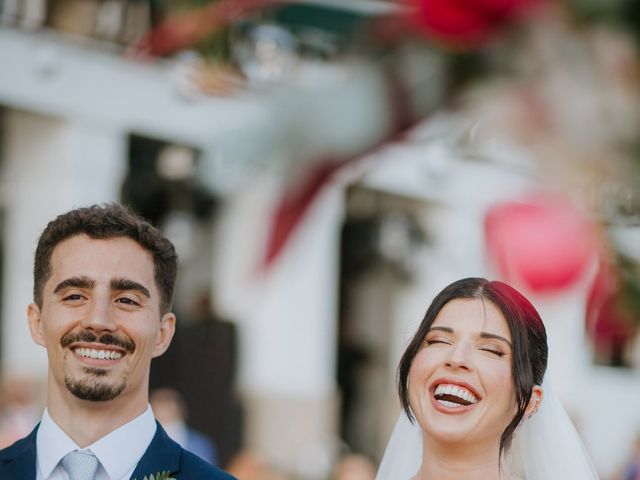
453,461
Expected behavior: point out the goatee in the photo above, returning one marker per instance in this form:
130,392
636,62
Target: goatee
92,390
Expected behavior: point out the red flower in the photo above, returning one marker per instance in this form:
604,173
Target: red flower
467,23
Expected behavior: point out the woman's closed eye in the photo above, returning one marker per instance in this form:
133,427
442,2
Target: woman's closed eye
494,350
433,341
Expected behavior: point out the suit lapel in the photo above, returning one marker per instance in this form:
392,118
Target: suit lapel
18,462
162,455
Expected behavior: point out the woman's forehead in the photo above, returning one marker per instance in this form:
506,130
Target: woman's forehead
473,315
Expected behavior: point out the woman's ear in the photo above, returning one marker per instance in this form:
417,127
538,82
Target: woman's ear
534,402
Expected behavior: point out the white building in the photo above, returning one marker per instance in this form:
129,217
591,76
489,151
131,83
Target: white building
68,113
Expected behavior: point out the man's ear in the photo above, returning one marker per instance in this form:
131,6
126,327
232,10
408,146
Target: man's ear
165,334
534,403
35,324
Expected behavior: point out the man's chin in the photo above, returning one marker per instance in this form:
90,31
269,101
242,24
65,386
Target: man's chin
96,372
93,390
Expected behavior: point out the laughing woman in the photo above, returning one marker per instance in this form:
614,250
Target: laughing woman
475,405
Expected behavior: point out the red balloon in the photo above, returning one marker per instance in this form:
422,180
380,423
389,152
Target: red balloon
543,242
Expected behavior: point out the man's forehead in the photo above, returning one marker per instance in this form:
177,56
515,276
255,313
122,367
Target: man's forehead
117,257
81,243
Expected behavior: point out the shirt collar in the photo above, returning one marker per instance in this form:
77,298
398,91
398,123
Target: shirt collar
118,451
52,444
122,449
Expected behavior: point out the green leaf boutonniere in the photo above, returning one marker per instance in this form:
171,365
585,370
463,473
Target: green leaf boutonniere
159,476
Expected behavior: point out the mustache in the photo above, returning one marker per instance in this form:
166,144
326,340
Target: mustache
90,337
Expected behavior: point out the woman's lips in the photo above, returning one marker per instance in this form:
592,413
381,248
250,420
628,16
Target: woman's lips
453,396
446,408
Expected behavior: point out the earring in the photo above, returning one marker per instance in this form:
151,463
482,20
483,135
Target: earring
535,408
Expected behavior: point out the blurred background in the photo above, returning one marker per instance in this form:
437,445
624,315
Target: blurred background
324,168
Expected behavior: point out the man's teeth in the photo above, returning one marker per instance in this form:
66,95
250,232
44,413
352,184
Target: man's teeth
98,354
455,391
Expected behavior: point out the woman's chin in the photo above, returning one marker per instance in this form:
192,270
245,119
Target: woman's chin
450,434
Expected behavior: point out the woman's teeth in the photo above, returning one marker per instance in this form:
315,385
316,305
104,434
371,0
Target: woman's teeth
454,395
98,354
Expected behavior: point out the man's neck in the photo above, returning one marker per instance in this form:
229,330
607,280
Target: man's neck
87,422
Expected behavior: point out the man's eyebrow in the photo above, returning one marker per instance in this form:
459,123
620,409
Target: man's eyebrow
494,336
75,282
127,284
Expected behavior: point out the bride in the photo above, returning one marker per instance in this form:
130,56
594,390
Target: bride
475,404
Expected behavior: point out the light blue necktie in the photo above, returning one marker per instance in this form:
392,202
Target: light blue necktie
80,465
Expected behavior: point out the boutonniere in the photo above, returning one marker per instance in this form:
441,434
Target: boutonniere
159,476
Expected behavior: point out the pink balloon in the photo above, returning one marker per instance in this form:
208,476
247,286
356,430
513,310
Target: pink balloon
543,242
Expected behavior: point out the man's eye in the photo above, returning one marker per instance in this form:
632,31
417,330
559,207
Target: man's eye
73,296
127,301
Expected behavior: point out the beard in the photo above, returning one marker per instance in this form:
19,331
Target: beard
91,386
92,389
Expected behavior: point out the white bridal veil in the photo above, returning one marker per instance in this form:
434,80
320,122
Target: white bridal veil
545,447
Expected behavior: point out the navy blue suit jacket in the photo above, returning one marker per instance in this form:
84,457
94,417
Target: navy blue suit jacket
18,462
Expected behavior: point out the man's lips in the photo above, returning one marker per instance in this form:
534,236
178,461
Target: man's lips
106,341
95,352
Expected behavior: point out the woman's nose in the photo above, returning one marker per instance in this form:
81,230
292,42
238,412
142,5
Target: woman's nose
459,357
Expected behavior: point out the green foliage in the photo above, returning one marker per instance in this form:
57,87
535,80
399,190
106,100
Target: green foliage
159,476
630,288
620,13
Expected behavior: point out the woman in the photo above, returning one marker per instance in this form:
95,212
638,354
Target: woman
475,406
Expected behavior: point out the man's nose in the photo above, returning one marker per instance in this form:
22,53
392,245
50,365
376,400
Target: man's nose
100,316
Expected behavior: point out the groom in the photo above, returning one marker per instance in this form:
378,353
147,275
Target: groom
103,285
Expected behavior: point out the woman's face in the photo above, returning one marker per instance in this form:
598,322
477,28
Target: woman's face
460,385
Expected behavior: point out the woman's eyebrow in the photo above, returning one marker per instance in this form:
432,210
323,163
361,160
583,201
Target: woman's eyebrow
482,334
442,329
494,336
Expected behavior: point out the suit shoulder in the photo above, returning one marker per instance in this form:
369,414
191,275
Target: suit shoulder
18,447
194,467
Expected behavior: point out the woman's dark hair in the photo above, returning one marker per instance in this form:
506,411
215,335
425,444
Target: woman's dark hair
528,339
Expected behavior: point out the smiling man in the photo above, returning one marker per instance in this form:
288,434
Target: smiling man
103,285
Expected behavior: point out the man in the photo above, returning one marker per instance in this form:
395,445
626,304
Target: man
103,285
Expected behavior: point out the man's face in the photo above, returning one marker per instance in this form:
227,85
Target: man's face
100,319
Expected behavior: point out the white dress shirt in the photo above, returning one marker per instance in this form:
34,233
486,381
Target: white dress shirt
118,452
